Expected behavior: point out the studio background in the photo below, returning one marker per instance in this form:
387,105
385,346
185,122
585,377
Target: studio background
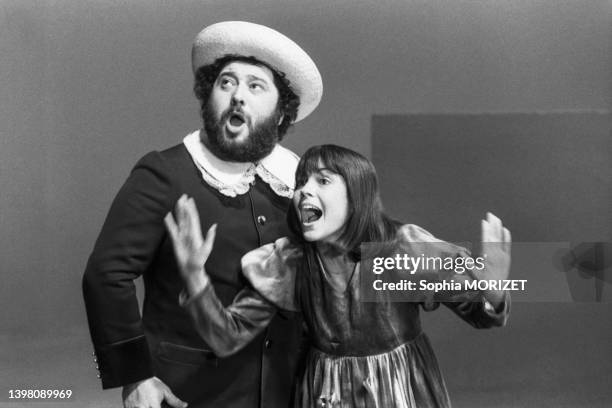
88,87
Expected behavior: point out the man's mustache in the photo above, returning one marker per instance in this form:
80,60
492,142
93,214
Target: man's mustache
225,116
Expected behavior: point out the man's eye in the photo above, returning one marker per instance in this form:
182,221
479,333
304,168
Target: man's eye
226,82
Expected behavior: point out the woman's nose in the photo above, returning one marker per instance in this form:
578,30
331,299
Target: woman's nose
306,189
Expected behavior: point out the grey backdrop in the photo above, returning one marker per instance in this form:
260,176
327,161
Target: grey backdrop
88,87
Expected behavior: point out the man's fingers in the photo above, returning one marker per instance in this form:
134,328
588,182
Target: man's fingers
172,400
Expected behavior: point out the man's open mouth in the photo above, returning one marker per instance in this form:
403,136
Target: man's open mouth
309,213
236,119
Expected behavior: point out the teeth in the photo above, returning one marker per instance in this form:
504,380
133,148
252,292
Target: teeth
310,213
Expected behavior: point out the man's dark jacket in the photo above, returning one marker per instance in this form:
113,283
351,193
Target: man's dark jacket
133,242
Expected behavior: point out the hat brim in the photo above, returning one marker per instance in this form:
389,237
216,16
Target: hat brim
267,45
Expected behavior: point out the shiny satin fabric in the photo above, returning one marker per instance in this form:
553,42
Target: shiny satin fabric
363,354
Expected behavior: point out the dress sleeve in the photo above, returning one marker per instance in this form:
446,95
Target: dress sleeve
228,329
270,271
123,251
480,313
470,305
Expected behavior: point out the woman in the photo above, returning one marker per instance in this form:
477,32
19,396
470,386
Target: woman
363,354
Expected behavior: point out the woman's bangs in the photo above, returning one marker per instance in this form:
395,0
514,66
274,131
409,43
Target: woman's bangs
311,162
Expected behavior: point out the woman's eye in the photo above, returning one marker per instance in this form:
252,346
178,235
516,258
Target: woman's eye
324,180
256,87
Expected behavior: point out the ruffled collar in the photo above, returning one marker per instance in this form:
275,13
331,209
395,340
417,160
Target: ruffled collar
231,178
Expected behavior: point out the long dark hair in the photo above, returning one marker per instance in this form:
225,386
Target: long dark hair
366,220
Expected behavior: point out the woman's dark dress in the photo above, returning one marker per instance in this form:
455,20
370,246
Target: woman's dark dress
363,353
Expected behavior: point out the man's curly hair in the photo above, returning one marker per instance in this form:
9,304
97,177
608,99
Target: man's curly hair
288,101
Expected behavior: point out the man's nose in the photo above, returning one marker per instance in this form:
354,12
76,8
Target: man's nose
238,96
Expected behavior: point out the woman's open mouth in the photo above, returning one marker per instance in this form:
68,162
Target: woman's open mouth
309,213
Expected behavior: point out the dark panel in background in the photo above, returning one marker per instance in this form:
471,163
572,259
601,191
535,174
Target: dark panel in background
548,176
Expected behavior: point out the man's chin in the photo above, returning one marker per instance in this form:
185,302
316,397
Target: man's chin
240,138
240,150
241,144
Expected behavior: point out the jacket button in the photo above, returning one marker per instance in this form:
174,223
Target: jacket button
98,376
268,344
261,220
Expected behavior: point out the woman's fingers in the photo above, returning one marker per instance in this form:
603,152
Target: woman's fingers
507,240
173,231
210,239
181,213
171,226
193,218
495,225
496,243
484,231
493,230
187,217
186,231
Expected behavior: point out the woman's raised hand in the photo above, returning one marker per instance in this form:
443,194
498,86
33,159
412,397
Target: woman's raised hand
496,244
190,249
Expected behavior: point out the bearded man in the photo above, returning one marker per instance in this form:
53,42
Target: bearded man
253,83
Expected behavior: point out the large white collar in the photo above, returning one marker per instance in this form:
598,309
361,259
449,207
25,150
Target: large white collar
231,178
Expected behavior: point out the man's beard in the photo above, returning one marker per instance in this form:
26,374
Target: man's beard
260,142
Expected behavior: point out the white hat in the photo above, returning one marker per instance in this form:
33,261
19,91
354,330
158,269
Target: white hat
267,45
